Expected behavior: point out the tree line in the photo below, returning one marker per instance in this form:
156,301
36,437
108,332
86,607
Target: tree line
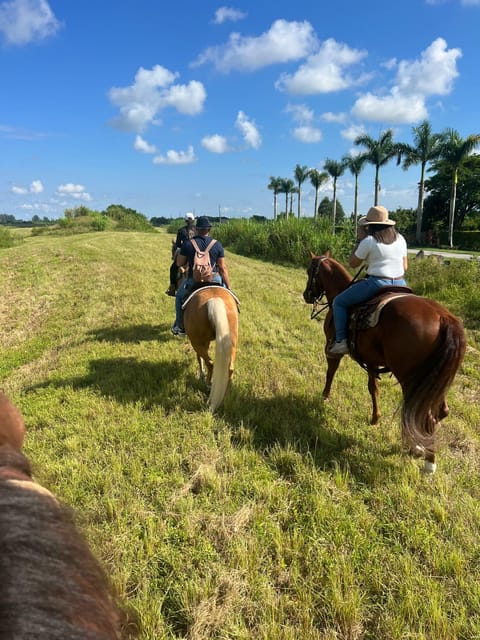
446,154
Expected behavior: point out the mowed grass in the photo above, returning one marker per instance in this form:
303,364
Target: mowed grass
282,517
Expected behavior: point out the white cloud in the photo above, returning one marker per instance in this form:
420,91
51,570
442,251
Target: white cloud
432,74
223,14
35,187
216,144
307,134
249,130
352,132
154,90
328,116
176,157
323,72
300,113
76,191
143,146
24,21
284,41
19,191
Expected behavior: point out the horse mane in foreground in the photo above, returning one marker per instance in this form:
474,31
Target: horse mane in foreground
415,338
51,585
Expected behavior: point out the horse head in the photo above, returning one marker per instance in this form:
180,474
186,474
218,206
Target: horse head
315,290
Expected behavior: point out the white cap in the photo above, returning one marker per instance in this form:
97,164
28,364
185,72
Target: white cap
189,216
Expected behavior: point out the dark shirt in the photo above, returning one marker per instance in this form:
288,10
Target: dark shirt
184,233
188,250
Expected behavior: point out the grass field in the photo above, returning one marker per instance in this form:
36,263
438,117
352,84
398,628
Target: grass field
282,517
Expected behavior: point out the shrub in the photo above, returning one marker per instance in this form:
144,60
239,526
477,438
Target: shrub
6,239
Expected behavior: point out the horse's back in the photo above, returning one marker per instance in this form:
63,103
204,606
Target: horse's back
198,319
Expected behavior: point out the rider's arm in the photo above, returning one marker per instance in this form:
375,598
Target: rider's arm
223,271
181,260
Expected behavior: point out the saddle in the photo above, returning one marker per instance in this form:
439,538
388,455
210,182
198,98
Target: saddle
367,314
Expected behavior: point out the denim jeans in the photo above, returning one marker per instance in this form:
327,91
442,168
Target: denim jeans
182,294
354,294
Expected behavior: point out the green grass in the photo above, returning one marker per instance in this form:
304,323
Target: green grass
282,517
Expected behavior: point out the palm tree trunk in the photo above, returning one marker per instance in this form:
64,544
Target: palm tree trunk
299,207
315,212
286,204
274,205
421,187
377,185
334,204
355,205
451,215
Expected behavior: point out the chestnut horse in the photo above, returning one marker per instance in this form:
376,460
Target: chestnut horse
416,339
51,585
211,313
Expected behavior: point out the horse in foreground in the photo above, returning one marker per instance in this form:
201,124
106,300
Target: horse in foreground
51,585
211,313
416,339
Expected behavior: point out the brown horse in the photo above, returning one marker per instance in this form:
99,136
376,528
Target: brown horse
416,339
51,585
211,313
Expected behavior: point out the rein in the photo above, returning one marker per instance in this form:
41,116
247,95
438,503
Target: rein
317,306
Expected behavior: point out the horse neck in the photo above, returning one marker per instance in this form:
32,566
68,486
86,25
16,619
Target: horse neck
336,279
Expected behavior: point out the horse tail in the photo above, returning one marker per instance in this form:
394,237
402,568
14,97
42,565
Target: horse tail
424,392
217,314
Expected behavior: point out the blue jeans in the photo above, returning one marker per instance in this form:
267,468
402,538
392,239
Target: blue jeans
354,294
182,294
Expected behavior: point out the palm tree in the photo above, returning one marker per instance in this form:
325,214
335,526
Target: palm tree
426,149
335,169
378,153
355,165
274,185
286,187
292,193
455,150
301,174
317,179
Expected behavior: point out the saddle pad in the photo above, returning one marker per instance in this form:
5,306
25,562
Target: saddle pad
212,286
367,314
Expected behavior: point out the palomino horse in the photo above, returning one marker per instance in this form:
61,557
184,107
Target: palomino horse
211,313
416,339
51,585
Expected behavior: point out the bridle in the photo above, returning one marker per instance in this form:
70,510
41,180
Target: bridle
317,305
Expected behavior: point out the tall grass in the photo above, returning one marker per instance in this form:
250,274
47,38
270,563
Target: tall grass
282,516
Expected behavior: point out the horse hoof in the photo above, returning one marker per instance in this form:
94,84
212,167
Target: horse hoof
429,468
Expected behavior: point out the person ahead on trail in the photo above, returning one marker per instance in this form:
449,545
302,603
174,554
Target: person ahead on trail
186,256
385,252
183,234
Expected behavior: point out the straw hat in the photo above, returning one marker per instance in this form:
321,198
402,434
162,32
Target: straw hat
376,215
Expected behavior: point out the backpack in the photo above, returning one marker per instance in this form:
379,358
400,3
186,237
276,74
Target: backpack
202,269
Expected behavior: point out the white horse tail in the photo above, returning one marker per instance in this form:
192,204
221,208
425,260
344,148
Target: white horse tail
217,314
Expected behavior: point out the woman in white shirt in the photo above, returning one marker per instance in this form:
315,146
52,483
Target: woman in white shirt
385,252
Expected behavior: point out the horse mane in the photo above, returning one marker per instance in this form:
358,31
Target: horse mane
51,585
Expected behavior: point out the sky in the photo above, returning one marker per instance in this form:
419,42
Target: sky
192,105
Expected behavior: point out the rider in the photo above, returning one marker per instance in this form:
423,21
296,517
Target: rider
385,252
186,255
184,233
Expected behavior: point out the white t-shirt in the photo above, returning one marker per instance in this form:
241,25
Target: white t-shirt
383,260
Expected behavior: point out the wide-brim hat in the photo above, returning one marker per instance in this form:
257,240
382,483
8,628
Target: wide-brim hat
203,223
376,215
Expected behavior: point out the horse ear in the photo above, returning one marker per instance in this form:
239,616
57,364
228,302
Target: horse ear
312,255
328,253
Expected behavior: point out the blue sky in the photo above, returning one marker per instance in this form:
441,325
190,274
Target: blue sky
181,105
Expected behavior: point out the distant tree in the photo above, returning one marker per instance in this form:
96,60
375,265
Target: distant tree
455,151
301,174
439,188
378,153
426,149
317,178
35,219
258,218
160,221
355,165
275,185
6,218
335,169
325,209
286,187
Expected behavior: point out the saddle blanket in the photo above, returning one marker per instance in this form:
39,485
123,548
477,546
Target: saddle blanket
211,286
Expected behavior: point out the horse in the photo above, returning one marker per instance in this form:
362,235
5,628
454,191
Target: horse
416,339
211,313
51,585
